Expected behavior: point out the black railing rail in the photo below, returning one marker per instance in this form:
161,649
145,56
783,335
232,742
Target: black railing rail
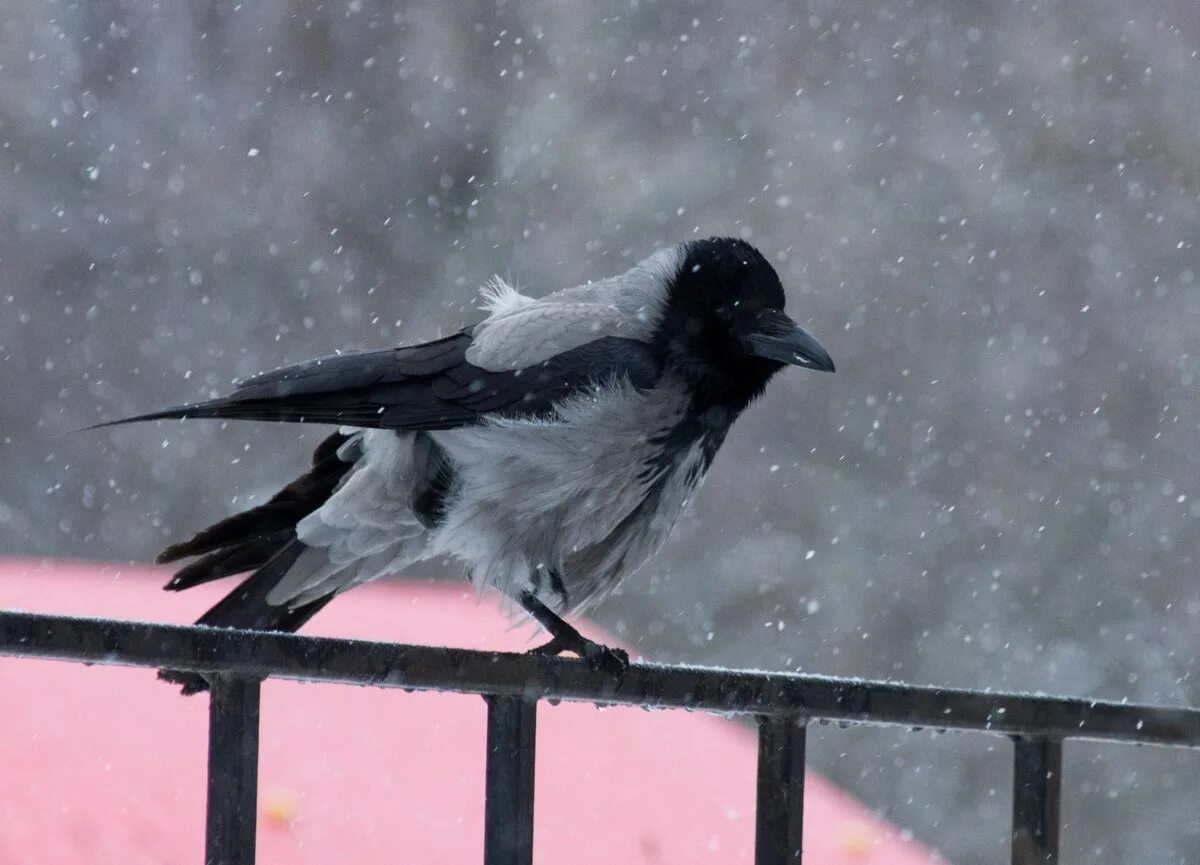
237,661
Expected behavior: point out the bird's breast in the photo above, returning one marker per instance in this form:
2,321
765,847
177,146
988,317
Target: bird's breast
585,490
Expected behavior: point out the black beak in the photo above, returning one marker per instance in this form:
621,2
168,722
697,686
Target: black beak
777,337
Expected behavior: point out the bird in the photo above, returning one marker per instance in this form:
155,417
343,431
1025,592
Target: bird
549,447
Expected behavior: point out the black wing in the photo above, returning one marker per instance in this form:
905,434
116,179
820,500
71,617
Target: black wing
430,386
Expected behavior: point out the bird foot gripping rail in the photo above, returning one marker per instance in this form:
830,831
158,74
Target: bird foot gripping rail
238,661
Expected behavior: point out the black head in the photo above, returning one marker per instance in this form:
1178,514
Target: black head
723,326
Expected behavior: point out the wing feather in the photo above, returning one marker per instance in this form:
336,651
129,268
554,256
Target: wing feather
433,386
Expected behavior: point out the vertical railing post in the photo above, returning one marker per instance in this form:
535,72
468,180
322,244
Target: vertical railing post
508,807
779,814
232,771
1037,792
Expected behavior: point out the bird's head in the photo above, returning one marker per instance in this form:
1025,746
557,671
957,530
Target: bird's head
723,326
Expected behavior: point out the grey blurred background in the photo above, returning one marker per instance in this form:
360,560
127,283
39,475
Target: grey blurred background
986,211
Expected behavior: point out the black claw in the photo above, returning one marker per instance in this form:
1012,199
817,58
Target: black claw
598,656
566,639
612,661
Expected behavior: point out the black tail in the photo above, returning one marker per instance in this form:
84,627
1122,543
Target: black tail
262,539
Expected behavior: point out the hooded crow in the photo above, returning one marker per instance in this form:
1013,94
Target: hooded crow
551,447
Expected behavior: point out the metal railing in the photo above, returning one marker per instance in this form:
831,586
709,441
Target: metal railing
238,661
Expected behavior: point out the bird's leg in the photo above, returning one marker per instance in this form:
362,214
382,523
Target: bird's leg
566,639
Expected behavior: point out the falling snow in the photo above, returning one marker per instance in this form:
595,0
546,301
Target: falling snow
986,211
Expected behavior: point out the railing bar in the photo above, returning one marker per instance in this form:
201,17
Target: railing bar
232,771
256,654
508,807
779,813
1037,793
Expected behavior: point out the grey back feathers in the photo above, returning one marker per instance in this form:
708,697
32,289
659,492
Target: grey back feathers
522,332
